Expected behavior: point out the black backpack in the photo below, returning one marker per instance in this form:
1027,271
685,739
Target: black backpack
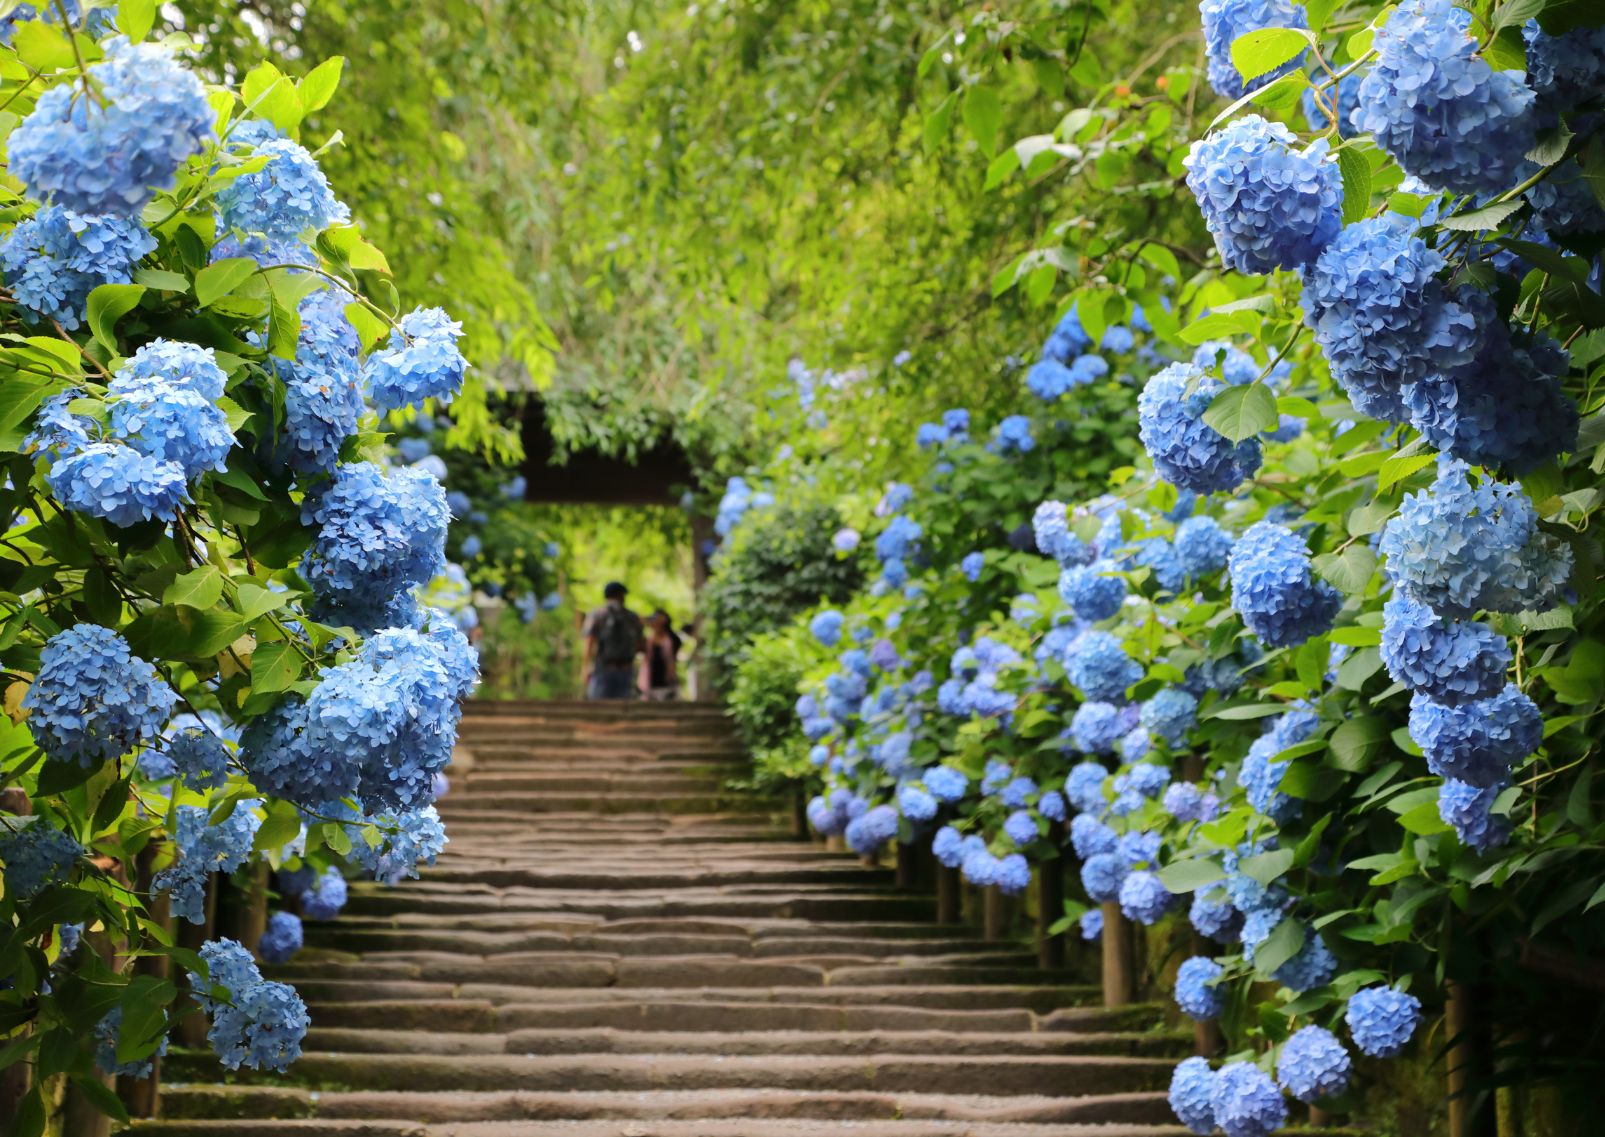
618,636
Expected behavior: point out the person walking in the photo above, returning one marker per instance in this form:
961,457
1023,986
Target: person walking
660,668
613,638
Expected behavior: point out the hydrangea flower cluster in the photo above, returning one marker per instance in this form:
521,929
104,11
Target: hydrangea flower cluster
93,700
420,361
324,897
1246,1102
1196,993
411,838
1097,663
1192,1095
323,385
110,155
1267,204
1313,1065
1442,112
1381,1020
1274,589
1095,592
36,855
1226,20
281,939
286,200
260,1025
1468,809
55,259
1447,661
1261,774
1477,742
107,1033
1187,451
1460,548
203,849
378,536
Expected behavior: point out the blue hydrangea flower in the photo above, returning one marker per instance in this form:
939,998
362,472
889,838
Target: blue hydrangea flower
1469,809
1274,590
1186,802
1267,204
286,199
174,363
1197,994
1050,526
1017,792
171,424
1382,318
1021,827
915,803
93,700
1048,379
1139,847
204,848
262,1024
55,259
1094,591
1202,546
826,627
1325,111
1382,1019
110,155
1053,806
945,783
870,830
1097,663
1460,548
1261,774
378,535
323,387
979,866
1225,20
1214,917
1084,784
1446,116
1313,1065
36,855
1013,874
1565,71
1477,742
1247,1103
1504,409
118,483
845,541
899,539
1101,876
1143,898
1068,339
410,838
326,896
1448,662
1169,715
946,846
281,939
1013,435
420,361
1091,925
1192,1095
1313,966
971,566
1089,836
1096,727
1159,557
199,757
1187,451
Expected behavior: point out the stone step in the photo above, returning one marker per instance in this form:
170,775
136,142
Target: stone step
605,802
657,877
524,1108
1056,1075
604,1040
830,906
731,1127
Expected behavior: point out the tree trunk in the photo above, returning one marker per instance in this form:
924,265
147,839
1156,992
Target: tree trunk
949,901
1050,906
1119,974
994,914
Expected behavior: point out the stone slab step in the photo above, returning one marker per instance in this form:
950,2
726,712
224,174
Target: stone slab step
526,1107
619,802
733,1127
832,906
598,879
831,1043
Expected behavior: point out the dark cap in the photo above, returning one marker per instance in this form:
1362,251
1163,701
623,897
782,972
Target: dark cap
614,591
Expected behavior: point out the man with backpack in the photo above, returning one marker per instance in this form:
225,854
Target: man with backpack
613,639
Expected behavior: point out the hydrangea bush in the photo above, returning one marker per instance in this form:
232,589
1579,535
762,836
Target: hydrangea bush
216,574
1313,674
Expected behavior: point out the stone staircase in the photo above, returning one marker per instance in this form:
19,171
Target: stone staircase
615,945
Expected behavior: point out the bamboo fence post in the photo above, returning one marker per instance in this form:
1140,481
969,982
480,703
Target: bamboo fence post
1467,1061
1050,906
1119,974
949,903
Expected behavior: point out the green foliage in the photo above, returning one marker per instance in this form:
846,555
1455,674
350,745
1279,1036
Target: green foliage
761,696
776,563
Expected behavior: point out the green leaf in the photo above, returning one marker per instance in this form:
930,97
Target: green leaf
108,304
1284,942
1424,820
319,85
199,588
1478,219
1357,743
269,94
1265,49
43,46
135,17
255,601
1349,571
281,825
1360,666
1241,412
220,278
1356,173
274,666
983,114
1267,867
1220,325
939,122
161,280
1190,875
336,837
1401,466
370,328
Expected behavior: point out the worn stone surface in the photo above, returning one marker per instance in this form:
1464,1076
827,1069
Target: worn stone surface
615,945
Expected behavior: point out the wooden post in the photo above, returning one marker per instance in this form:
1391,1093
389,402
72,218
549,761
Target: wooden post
994,914
191,1029
1467,1061
799,814
1050,905
949,905
1119,977
907,867
141,1096
15,1079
